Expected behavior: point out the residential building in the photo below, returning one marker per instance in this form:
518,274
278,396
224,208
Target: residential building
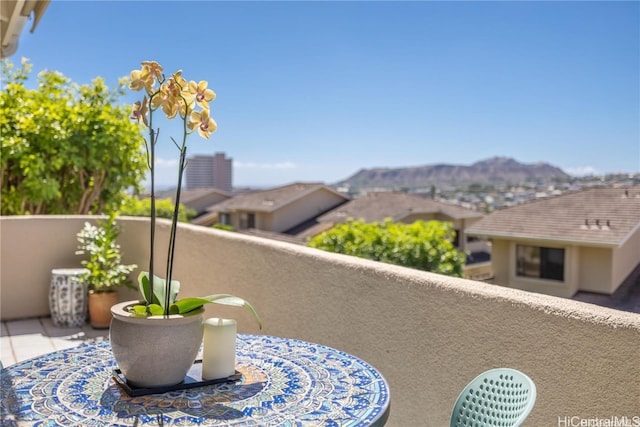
278,209
201,200
586,240
204,171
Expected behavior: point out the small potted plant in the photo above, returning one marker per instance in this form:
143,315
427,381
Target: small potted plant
105,272
155,340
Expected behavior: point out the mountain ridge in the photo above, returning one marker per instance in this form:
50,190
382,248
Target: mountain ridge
492,171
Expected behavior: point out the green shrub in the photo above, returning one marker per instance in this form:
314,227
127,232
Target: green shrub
105,270
221,226
133,206
422,245
66,148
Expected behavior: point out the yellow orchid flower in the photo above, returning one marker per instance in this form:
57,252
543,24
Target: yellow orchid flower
174,87
170,107
166,99
141,79
140,110
205,124
154,68
177,97
188,96
201,94
184,108
157,99
179,81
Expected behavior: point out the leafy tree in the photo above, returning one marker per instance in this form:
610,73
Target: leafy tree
134,206
422,245
66,148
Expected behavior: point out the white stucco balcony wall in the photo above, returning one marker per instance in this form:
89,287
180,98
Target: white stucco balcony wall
428,334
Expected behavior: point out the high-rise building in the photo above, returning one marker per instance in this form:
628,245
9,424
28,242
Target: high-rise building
205,171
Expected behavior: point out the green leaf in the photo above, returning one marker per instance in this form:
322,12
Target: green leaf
139,310
226,299
155,309
159,289
186,305
143,282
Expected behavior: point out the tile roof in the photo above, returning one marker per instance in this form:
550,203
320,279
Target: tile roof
272,199
206,219
187,196
376,206
604,216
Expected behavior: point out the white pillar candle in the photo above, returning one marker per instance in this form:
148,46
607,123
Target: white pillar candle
219,348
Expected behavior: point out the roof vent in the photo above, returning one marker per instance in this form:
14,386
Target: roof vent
597,225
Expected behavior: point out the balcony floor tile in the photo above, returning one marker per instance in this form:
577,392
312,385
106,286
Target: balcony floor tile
27,338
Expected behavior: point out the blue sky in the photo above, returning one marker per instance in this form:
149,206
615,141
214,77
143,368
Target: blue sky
315,91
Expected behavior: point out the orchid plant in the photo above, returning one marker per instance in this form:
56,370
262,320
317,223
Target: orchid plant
189,101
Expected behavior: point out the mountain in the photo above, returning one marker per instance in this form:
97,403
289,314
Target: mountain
493,171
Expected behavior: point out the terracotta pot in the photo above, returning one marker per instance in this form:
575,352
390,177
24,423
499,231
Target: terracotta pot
100,304
154,351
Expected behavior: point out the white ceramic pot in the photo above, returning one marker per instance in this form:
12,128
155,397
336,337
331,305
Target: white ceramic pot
155,351
68,297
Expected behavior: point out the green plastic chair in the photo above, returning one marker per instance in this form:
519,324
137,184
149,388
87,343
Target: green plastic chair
498,397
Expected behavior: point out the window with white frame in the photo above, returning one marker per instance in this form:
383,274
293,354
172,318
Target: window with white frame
540,262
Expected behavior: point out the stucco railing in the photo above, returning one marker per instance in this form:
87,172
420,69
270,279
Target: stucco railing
428,334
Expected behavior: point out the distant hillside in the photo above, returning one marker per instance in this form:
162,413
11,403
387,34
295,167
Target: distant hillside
493,171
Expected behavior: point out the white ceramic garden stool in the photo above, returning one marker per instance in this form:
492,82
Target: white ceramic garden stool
68,297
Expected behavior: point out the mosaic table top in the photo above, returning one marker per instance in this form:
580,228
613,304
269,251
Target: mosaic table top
285,382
